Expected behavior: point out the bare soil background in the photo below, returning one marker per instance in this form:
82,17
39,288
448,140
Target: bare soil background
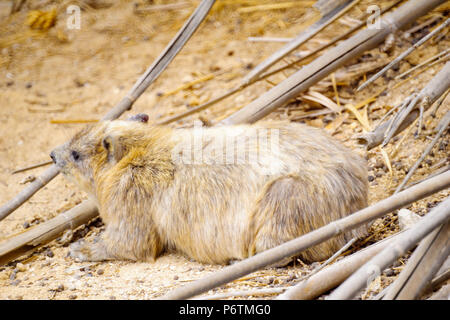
60,74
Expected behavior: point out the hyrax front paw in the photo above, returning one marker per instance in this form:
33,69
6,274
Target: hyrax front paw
83,251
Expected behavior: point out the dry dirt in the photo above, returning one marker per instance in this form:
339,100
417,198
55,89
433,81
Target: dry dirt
80,74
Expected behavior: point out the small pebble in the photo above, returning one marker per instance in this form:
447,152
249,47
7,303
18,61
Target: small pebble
60,288
389,272
175,277
100,272
72,296
112,298
26,225
49,253
291,277
371,178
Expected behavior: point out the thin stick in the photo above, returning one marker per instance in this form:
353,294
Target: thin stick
404,54
34,237
405,242
422,265
323,265
295,246
32,167
269,74
300,39
274,6
268,39
443,53
66,121
332,59
163,7
333,257
151,74
200,107
333,275
434,89
437,172
443,124
439,103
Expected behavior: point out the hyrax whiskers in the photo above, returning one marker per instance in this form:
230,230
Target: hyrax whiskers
215,194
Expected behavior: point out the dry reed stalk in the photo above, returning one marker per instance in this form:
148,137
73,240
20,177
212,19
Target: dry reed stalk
441,127
275,6
150,75
404,54
407,240
32,167
422,266
293,247
311,31
324,65
162,7
70,121
439,55
34,237
258,292
242,86
333,275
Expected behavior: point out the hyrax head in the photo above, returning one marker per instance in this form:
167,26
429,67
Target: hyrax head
95,148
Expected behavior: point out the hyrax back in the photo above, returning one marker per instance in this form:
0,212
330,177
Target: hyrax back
214,194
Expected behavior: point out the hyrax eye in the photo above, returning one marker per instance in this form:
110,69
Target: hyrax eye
75,155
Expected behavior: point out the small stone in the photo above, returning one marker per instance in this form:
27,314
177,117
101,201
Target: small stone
175,277
291,277
407,218
19,298
100,272
49,253
72,296
371,178
60,288
112,298
26,225
28,85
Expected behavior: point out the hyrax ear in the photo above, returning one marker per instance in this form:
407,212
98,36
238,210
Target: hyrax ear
114,148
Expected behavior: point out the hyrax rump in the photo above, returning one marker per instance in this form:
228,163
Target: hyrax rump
215,194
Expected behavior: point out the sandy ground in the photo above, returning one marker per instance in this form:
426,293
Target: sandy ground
80,74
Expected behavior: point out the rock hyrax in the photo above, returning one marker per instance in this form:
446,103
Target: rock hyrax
215,194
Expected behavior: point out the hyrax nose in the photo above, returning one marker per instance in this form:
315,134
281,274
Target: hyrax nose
52,155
